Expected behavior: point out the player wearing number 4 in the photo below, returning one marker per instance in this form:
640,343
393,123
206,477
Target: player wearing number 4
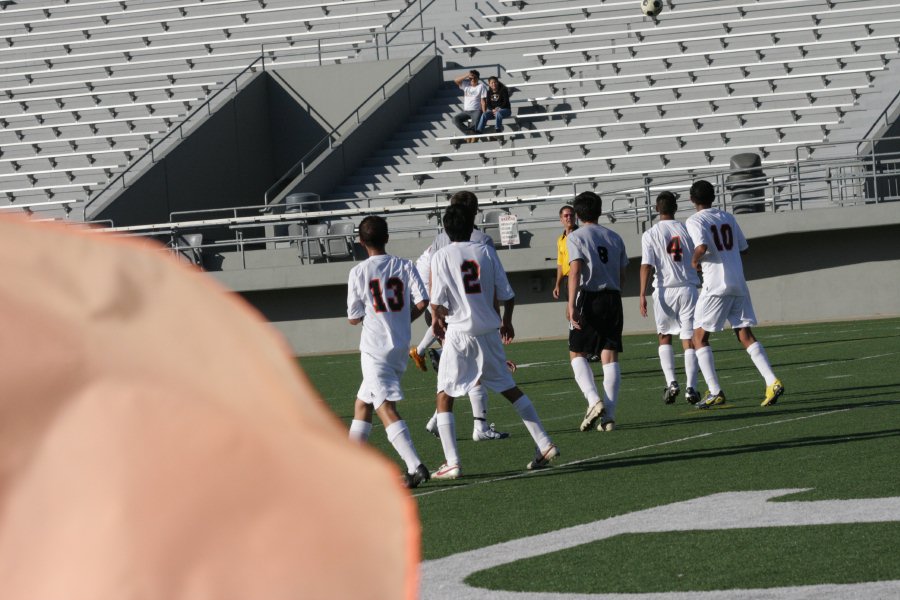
718,245
385,294
467,282
666,252
597,261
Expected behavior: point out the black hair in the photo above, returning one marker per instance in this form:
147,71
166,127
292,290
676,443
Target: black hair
475,73
468,201
666,204
457,224
564,207
373,232
588,206
703,193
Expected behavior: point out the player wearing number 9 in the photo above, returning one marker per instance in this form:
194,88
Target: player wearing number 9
718,245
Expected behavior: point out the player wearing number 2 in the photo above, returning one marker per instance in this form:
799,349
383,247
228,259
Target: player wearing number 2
467,284
385,294
666,252
718,245
597,261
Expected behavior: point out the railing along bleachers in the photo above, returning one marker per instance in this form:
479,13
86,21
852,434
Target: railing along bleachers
83,81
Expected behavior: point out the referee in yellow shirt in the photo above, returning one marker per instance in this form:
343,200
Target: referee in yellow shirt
570,224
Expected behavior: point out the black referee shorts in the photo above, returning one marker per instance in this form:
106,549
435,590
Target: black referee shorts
601,322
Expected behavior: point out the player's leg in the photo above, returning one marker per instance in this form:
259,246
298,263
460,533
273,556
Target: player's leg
666,317
417,354
399,437
583,343
545,449
361,425
708,317
686,324
482,430
609,322
742,317
447,427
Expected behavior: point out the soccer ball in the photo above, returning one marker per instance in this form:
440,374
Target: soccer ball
651,8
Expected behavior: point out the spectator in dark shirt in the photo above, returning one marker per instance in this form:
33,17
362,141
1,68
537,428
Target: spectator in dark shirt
496,105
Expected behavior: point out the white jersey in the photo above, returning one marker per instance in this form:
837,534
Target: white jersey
667,248
723,271
380,291
472,94
423,263
603,253
465,278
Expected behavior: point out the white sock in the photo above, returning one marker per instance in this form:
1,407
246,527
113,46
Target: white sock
398,435
478,397
690,367
584,377
667,362
532,422
427,341
612,377
360,430
708,367
761,360
447,428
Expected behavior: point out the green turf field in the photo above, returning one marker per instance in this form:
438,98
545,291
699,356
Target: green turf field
835,434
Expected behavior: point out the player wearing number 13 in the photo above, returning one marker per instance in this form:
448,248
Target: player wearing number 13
385,294
718,245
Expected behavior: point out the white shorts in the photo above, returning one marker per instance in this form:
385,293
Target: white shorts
466,359
381,378
674,311
712,312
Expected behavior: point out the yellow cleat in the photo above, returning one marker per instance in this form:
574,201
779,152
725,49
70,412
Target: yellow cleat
419,360
773,393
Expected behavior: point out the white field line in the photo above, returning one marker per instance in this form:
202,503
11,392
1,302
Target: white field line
640,448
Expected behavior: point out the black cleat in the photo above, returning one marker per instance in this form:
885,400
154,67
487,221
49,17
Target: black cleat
671,392
412,480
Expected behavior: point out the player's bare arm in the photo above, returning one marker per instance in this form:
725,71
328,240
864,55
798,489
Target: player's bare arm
646,271
355,321
416,311
439,320
507,333
575,267
559,277
699,251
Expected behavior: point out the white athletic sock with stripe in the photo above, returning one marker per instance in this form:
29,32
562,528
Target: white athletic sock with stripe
447,428
761,360
532,422
360,430
584,377
426,342
612,377
690,367
478,397
667,362
398,436
708,367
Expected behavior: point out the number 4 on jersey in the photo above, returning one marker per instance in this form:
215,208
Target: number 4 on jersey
674,248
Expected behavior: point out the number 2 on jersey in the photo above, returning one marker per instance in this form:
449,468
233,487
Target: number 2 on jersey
383,302
470,276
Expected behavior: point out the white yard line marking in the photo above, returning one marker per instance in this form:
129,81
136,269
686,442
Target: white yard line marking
838,376
445,577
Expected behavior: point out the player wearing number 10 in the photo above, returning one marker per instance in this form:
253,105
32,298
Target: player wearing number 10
385,294
718,245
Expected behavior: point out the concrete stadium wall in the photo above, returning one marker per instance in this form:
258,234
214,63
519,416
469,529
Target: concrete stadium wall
812,265
239,151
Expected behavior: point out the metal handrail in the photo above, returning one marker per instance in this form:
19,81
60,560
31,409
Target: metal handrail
884,113
299,167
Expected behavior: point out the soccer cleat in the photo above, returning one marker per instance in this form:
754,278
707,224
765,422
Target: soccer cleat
431,426
447,472
773,393
418,359
606,426
489,434
593,358
594,412
710,400
671,392
542,459
691,395
412,480
435,357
